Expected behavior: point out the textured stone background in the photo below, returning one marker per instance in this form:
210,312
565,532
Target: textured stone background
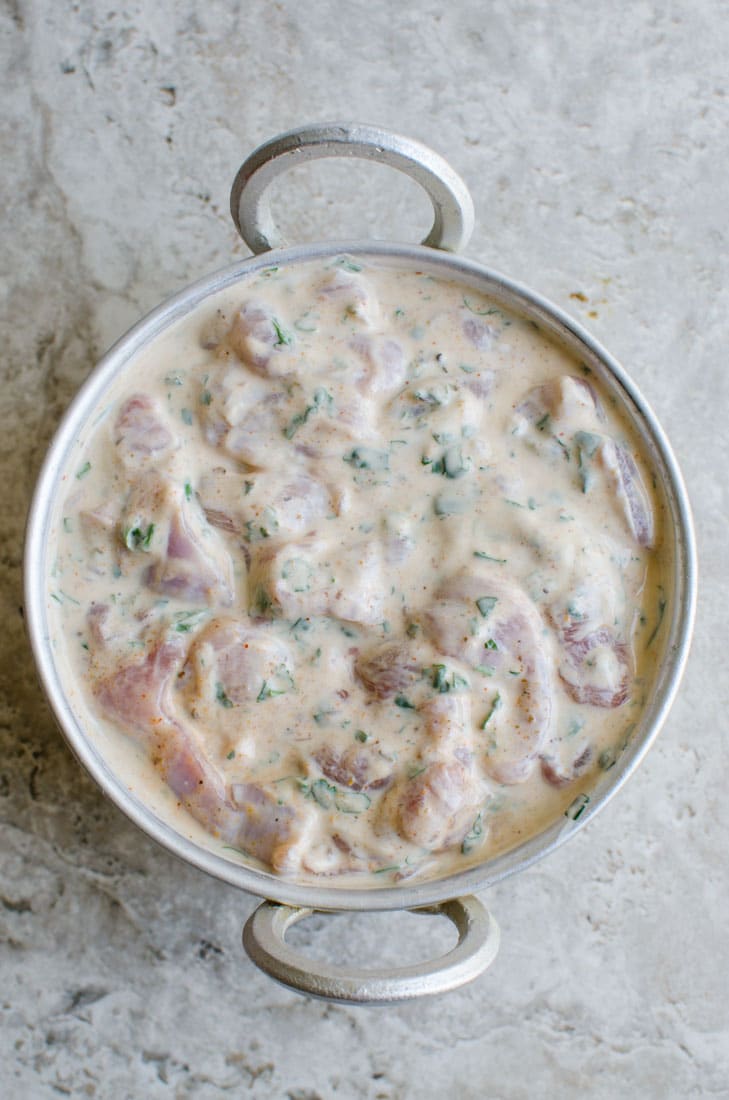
594,138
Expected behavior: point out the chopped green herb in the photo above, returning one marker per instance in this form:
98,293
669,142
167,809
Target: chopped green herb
206,397
451,464
443,681
348,801
488,557
222,697
261,528
434,397
490,644
587,444
136,538
413,630
444,505
607,759
576,724
474,837
67,525
440,678
185,621
173,379
328,796
186,416
321,398
347,264
360,735
367,458
577,806
415,770
323,793
283,338
486,604
496,705
238,851
662,603
267,692
231,755
188,491
488,311
298,573
83,471
402,701
262,602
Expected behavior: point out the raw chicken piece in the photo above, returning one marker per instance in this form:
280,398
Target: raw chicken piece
258,437
384,369
490,624
388,669
448,726
482,384
232,394
351,294
141,436
277,834
186,557
137,696
563,406
258,339
630,494
436,807
98,527
561,775
479,332
191,569
596,668
291,509
232,665
356,768
312,578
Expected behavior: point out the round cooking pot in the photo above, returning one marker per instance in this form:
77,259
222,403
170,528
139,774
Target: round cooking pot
289,901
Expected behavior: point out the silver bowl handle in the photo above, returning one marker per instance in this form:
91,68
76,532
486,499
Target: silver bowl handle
264,938
452,205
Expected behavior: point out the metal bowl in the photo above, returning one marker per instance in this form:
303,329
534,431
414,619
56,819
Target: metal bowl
289,901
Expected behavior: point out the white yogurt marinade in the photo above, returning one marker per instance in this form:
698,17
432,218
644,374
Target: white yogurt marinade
362,571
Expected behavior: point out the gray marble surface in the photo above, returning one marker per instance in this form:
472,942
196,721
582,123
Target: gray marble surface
594,139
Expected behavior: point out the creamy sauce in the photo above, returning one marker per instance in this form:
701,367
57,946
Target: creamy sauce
359,572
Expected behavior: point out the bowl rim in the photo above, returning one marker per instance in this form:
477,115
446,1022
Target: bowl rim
514,296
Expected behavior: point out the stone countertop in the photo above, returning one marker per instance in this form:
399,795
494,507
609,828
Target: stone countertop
594,139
